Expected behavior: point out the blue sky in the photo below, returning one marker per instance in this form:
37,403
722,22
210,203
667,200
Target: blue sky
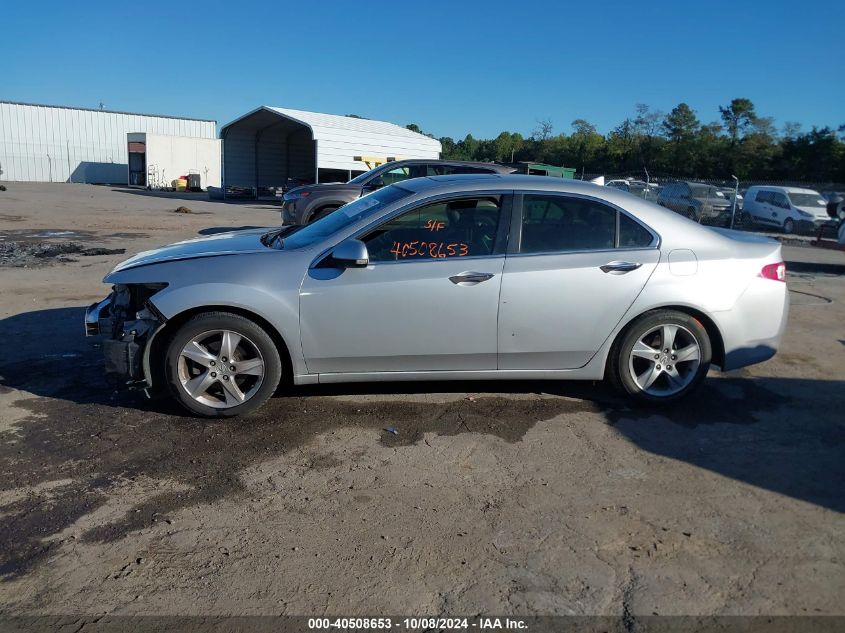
451,67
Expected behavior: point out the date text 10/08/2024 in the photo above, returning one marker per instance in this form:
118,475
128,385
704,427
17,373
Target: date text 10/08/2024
418,623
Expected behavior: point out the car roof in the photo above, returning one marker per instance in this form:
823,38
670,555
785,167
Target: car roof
503,169
522,182
784,189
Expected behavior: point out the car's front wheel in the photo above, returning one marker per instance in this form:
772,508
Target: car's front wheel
319,215
747,220
220,364
661,357
788,226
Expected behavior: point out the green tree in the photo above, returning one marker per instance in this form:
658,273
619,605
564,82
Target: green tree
682,128
585,142
738,117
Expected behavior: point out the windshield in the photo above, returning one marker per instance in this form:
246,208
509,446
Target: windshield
360,178
806,200
345,216
703,191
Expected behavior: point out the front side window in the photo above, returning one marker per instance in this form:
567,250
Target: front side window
464,227
779,200
554,223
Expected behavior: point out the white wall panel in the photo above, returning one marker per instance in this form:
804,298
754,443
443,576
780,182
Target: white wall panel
54,144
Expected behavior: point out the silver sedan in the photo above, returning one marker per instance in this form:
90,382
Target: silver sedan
453,277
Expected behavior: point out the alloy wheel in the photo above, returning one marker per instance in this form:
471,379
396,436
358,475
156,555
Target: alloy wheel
665,360
220,368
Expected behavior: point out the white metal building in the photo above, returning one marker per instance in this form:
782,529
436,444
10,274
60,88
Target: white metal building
269,145
56,144
155,160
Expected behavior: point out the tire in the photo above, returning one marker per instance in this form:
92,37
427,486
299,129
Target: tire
788,226
630,369
690,213
197,362
747,220
321,213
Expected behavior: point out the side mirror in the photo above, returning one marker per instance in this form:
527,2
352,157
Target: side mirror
375,183
351,254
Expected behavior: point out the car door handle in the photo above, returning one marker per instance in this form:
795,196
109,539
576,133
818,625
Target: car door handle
470,278
619,268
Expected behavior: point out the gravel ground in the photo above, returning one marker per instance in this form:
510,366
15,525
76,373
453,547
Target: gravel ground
495,498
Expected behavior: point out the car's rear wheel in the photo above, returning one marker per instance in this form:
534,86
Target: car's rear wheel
220,364
662,356
788,226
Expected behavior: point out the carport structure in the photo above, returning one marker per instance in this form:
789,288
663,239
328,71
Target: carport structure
269,145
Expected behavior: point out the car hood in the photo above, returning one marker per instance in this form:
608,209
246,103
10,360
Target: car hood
235,242
815,211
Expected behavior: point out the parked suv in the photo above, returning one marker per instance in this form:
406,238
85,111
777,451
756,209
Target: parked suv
785,208
697,201
311,202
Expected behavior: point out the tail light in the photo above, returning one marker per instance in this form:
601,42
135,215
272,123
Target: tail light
775,272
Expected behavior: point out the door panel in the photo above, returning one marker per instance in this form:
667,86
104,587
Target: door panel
557,310
401,316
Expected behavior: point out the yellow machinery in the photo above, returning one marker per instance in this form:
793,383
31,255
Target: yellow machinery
374,161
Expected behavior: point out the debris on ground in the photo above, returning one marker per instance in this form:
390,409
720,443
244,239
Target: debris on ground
2,187
182,210
25,254
392,429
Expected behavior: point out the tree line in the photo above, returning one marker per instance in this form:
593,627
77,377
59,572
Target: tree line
677,144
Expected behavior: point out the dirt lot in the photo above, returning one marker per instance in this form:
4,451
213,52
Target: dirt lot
495,498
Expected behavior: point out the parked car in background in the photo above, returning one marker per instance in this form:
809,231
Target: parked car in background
835,204
696,201
785,208
462,277
640,188
305,204
729,195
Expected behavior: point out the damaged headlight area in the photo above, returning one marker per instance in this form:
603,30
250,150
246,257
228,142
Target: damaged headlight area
127,320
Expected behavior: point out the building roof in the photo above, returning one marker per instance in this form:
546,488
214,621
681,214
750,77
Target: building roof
331,126
104,111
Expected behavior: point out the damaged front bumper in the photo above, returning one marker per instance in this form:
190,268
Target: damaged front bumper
129,323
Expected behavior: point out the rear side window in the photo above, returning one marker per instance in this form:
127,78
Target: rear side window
553,223
632,234
763,196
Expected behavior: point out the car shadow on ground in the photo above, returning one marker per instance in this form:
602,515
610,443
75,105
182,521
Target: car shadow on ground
776,434
199,196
